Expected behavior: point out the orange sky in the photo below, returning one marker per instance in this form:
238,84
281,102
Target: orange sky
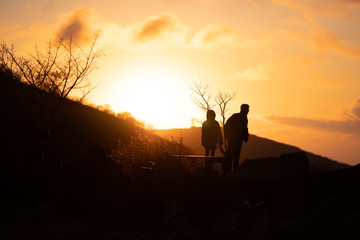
296,63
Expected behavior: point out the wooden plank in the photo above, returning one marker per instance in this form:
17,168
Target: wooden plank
200,156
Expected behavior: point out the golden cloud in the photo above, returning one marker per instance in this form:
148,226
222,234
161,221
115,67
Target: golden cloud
341,9
325,41
259,72
355,2
8,29
80,26
322,41
215,37
356,110
331,80
164,27
351,125
24,38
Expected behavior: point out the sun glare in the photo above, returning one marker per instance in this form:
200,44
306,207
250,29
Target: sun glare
154,94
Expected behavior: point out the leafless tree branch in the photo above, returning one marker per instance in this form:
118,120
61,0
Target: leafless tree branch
202,96
60,70
222,99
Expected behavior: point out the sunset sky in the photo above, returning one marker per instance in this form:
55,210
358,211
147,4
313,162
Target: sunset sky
296,63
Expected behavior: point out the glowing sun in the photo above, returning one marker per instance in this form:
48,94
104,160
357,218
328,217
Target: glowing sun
155,94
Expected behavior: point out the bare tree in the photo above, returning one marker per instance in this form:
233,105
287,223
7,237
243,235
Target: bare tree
203,99
222,99
61,68
202,96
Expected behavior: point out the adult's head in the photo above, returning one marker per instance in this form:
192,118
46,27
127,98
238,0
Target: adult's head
210,115
245,108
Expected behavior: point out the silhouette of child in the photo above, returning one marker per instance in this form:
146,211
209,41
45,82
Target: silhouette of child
210,136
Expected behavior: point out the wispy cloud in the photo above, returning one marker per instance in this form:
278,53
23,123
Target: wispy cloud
356,111
322,41
350,124
216,37
153,33
166,30
340,9
260,72
355,2
327,41
156,32
164,27
309,28
25,37
8,29
328,81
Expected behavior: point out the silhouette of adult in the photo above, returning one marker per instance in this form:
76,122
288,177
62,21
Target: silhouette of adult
210,136
236,132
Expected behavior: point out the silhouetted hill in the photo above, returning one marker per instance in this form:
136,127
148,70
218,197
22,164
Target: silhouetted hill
71,133
256,147
76,128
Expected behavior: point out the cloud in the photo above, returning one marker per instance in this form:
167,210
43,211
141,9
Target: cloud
24,38
163,27
166,30
154,33
315,34
215,37
8,29
356,111
259,72
333,81
323,41
327,41
350,124
341,9
355,2
324,125
80,26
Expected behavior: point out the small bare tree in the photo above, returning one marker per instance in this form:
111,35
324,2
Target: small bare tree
222,99
202,98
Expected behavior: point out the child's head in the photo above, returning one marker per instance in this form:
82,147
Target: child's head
210,115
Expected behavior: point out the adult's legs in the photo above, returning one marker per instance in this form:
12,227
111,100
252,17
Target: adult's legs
235,150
